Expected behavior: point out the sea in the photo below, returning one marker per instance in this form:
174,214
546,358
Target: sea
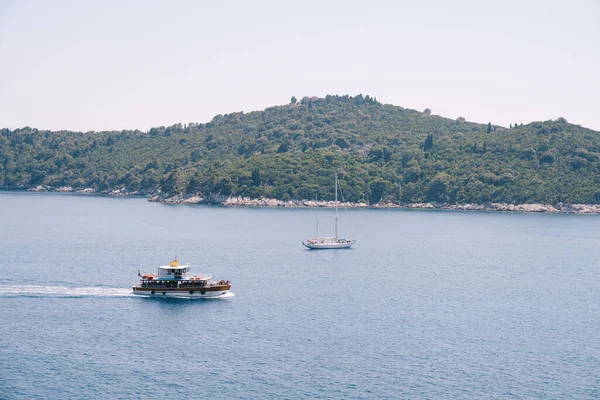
425,305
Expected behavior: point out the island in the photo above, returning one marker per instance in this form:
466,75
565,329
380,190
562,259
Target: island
287,155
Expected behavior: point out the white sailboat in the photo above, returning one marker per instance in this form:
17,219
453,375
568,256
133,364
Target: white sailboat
329,242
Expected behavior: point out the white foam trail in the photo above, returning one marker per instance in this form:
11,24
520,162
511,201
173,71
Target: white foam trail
63,291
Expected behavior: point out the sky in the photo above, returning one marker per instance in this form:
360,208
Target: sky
112,65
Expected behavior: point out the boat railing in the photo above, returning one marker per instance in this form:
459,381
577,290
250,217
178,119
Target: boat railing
192,284
159,284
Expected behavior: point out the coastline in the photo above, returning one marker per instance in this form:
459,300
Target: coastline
237,201
501,207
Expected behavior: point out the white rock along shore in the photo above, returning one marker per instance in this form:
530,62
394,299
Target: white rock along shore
247,202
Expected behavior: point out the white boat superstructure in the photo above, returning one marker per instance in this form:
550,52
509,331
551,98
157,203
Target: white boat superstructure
329,242
174,280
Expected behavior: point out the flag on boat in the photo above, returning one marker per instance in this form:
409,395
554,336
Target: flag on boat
139,273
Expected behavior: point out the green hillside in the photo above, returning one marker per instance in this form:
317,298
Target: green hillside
291,152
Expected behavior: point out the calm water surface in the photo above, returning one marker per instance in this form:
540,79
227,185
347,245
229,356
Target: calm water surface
426,305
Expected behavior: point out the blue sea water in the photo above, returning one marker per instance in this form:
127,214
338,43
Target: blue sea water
426,305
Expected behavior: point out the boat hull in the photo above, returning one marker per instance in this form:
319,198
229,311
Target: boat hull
208,292
326,246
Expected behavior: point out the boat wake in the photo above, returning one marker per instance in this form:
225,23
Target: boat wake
90,291
62,291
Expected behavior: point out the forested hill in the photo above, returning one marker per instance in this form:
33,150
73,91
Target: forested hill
382,152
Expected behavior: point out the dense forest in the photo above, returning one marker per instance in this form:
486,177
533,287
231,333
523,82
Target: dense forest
382,153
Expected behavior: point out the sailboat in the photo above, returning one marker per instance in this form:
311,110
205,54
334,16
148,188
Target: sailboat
329,242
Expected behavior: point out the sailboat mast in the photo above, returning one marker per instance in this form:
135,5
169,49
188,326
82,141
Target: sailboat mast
336,207
317,204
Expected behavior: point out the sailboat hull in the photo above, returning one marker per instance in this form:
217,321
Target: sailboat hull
329,245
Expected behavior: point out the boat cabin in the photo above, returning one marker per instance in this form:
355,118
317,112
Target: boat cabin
168,272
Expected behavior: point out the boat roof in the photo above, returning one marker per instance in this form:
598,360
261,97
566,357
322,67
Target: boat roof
173,267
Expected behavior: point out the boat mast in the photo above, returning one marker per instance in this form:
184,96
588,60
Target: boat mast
317,204
336,207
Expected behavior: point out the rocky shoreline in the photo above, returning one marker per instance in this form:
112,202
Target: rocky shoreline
235,201
505,207
502,207
69,189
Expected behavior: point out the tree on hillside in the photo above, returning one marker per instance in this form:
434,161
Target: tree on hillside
378,188
293,100
256,176
428,145
172,183
283,148
378,153
438,188
489,129
342,143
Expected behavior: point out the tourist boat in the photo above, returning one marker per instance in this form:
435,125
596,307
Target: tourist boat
329,242
174,280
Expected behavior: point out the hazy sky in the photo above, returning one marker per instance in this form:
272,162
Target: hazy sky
97,65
